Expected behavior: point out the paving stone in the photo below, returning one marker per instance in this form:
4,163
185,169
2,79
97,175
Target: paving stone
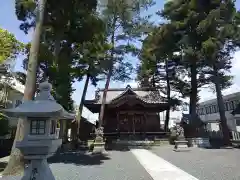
117,165
204,164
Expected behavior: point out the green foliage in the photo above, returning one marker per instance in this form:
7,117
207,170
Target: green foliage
220,31
67,26
10,47
91,58
4,127
125,27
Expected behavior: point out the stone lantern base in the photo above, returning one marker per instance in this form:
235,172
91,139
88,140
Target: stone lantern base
181,144
38,170
99,146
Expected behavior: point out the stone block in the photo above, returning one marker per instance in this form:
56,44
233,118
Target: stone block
181,146
99,148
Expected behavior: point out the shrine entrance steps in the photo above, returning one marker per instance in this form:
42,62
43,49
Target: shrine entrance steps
132,144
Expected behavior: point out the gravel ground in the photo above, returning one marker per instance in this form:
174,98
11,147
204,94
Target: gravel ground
204,164
118,165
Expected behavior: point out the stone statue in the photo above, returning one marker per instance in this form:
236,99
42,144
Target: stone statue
99,132
180,132
97,95
181,144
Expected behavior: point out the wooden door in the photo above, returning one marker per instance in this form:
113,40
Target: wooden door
126,123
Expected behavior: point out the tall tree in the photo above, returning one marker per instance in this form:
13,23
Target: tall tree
93,57
65,25
124,25
15,163
185,16
160,63
220,29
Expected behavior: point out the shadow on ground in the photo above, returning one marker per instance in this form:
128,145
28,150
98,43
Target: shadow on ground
78,158
2,166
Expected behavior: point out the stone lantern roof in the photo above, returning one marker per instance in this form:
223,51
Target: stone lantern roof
67,116
44,105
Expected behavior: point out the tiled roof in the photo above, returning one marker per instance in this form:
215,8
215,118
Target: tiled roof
147,95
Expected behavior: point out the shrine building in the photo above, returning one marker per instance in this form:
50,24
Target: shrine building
129,110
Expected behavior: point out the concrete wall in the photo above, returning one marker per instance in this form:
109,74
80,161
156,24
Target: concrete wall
212,115
216,117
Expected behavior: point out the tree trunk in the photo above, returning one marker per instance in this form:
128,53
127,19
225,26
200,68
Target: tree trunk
102,110
193,95
225,129
100,124
168,96
16,163
80,108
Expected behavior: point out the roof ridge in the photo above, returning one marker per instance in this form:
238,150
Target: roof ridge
128,86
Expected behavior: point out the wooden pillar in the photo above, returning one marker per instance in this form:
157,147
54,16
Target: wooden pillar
133,121
65,131
145,122
118,123
61,132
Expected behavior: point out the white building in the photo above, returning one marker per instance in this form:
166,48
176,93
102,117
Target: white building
11,95
208,112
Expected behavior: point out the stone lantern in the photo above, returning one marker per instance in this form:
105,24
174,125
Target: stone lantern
40,139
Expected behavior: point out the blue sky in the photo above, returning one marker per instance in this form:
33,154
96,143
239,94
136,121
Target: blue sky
9,21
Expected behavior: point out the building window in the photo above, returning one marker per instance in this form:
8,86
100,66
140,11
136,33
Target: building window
231,105
37,127
225,106
237,122
53,127
17,103
214,108
207,110
236,102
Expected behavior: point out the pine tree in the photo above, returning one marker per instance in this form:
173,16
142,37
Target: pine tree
220,30
124,25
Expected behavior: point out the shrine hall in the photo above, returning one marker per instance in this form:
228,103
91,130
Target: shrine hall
129,110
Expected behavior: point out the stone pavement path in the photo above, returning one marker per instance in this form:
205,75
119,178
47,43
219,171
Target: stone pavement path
159,163
204,164
118,165
158,168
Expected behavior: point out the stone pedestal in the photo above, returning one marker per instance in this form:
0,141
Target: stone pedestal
181,145
99,146
38,170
